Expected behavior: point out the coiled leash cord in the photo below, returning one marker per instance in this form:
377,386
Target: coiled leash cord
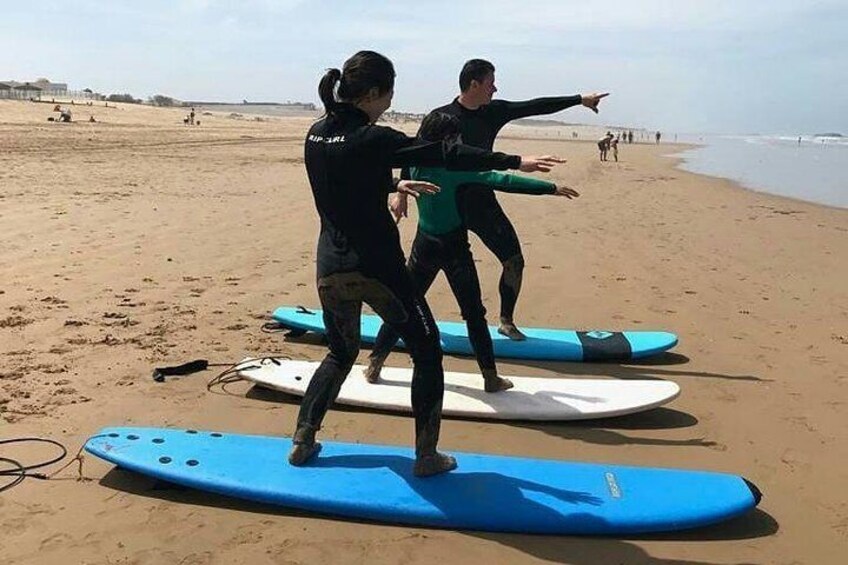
18,472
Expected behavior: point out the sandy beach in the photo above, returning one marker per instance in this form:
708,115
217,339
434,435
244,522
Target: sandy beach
137,242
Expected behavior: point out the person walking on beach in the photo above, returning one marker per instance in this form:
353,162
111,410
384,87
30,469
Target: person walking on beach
604,146
441,244
614,146
658,135
481,118
349,162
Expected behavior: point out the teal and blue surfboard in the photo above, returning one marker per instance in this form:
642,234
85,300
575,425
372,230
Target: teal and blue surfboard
486,492
541,344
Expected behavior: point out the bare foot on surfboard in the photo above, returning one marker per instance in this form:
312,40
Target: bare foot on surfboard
301,453
510,330
434,464
494,383
372,372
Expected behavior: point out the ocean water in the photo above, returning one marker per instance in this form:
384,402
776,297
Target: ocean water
815,170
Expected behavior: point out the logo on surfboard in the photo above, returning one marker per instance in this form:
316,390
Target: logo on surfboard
599,334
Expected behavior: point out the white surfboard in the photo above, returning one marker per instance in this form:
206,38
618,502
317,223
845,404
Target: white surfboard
532,398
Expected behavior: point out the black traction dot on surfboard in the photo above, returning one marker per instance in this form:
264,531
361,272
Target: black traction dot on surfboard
192,462
298,378
132,437
158,440
114,435
191,431
215,434
164,460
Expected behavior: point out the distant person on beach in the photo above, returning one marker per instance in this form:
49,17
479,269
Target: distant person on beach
349,161
191,117
614,147
441,244
481,118
604,146
630,136
658,136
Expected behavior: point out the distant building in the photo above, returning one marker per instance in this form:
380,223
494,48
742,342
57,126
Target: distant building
34,89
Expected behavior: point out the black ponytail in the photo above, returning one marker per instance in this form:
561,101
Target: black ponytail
362,72
327,89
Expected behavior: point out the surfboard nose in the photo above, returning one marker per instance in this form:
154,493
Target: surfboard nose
755,492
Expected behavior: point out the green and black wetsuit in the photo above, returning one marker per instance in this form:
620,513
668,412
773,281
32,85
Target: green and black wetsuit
441,243
478,206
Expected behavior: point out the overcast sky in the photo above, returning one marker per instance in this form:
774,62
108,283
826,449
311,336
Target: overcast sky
727,66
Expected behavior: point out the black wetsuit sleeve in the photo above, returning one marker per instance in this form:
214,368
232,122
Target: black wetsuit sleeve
508,111
408,151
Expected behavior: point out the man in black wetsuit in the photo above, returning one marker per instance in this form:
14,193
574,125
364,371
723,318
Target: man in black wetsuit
481,118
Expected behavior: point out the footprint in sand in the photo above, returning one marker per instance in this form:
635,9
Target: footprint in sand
15,322
248,534
56,541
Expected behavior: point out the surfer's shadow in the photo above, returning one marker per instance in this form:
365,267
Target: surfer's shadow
648,368
498,491
538,399
594,432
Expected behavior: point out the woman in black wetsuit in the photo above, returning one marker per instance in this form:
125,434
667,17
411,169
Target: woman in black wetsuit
349,162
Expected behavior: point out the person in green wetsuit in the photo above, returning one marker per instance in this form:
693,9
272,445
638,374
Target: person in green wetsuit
441,244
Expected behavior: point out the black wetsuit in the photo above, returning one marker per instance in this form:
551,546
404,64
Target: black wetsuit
349,162
478,205
441,244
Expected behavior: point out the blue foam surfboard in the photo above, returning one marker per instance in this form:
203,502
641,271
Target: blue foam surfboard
541,344
486,492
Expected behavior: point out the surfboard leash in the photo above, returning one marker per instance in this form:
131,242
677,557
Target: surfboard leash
19,471
231,374
279,327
